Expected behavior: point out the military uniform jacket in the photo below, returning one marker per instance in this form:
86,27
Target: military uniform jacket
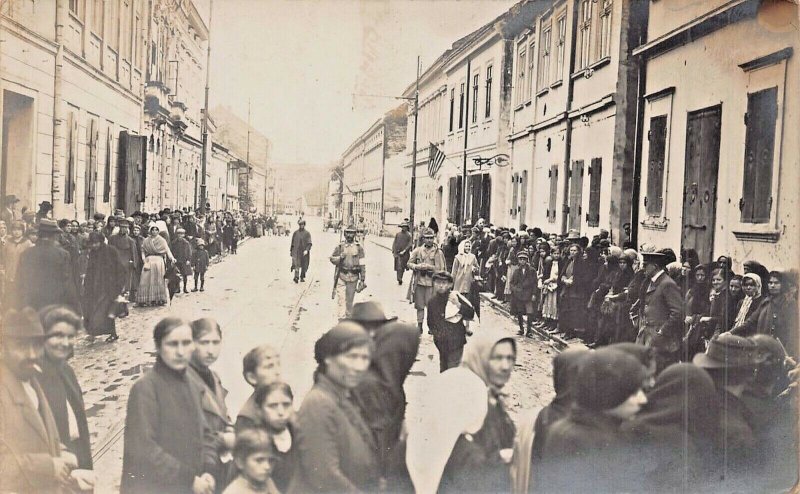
351,257
425,255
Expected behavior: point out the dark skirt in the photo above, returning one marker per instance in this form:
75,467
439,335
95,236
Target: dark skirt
571,311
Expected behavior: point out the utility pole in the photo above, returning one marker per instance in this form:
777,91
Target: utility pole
414,157
204,152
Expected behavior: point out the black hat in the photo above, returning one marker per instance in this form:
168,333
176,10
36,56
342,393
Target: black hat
46,225
99,216
369,312
45,206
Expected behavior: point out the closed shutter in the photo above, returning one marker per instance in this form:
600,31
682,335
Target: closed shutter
523,201
551,208
595,174
576,195
107,168
514,195
71,152
654,200
762,112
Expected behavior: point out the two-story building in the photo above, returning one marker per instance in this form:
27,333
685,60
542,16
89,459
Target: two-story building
574,117
720,159
71,77
364,167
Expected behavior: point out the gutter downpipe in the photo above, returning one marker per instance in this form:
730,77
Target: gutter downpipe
568,137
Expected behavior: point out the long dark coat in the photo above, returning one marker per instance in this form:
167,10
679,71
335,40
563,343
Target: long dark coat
401,250
44,277
336,450
106,278
523,285
301,242
61,387
661,316
30,438
215,413
165,444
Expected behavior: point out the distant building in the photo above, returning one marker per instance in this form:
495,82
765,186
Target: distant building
720,154
366,165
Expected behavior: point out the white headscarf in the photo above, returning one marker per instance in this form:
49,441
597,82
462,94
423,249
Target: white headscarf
747,301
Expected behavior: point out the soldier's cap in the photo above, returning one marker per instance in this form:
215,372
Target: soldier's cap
523,255
23,325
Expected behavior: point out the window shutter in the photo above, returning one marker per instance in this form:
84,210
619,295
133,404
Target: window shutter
107,170
595,172
523,202
71,151
551,209
575,194
514,195
655,165
762,112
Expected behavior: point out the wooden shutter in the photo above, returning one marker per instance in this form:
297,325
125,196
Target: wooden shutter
551,208
762,112
107,169
71,152
576,195
595,174
523,201
654,200
514,195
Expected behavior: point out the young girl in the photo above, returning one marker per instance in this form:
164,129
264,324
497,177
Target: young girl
200,262
276,404
253,455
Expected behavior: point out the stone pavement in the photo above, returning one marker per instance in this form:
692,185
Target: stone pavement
255,301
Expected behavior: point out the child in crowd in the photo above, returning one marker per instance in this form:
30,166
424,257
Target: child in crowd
200,261
276,402
261,366
253,457
448,316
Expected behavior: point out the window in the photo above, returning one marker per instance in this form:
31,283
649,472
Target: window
544,60
551,207
488,93
657,137
584,33
759,146
113,40
125,29
561,25
461,107
522,66
595,173
605,29
531,65
76,7
475,83
98,17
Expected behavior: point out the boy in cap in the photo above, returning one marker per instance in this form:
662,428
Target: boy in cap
200,261
183,256
448,313
523,286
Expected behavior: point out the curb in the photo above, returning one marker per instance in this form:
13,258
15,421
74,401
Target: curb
500,307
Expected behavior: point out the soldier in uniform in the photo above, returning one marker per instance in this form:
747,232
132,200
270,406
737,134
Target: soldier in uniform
348,257
425,260
401,250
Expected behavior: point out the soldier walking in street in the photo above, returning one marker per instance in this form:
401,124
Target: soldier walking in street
350,274
425,260
401,250
300,250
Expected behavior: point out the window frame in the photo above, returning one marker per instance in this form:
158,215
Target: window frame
488,110
543,76
561,42
461,102
532,56
475,90
522,54
605,29
584,46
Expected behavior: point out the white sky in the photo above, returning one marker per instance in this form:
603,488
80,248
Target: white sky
300,62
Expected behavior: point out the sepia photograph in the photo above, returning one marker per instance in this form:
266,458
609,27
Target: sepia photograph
399,246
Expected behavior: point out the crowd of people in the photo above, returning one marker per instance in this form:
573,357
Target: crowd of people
683,388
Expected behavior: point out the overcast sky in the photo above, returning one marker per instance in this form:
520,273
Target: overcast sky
300,63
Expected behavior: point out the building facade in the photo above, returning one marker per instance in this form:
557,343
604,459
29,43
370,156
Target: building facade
364,167
719,160
71,78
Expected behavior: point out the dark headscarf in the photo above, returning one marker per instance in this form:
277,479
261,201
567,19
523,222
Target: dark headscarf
607,377
338,340
565,373
396,346
683,399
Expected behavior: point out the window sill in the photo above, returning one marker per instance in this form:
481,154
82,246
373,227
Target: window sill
543,92
528,103
556,84
519,107
769,236
600,63
75,18
655,223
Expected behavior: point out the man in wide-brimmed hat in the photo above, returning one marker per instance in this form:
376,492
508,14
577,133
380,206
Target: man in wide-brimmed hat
44,275
425,260
31,459
370,315
300,251
401,250
660,311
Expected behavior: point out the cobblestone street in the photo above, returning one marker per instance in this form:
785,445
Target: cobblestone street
254,299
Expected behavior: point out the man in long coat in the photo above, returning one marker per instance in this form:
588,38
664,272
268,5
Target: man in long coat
106,279
660,311
44,273
300,250
31,459
401,250
129,255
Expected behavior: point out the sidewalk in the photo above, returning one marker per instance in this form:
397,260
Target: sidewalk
501,307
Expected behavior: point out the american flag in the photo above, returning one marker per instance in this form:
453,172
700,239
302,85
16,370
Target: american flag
435,160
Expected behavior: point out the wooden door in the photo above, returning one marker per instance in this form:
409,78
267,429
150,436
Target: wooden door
131,172
700,181
575,195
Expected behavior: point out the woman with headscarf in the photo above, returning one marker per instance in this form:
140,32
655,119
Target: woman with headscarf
152,286
106,279
381,396
678,431
587,451
779,316
603,310
749,309
549,290
461,436
335,446
721,312
755,267
465,267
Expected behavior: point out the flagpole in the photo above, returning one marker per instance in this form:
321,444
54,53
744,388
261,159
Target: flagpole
414,159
